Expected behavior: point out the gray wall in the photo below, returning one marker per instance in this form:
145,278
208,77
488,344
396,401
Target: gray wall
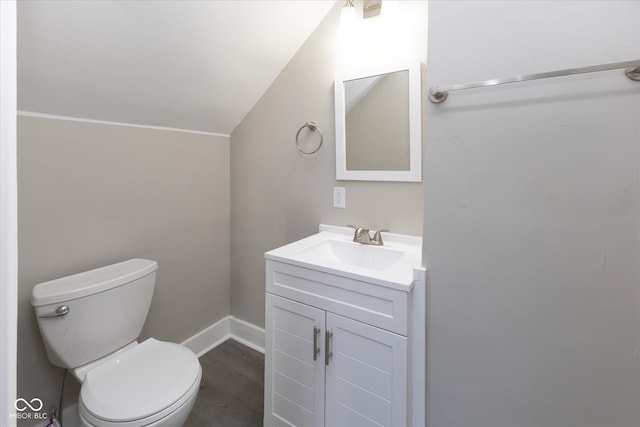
95,194
531,218
279,195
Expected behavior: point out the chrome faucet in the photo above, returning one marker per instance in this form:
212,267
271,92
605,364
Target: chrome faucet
377,238
362,235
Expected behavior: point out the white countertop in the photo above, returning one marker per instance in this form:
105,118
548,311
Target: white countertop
405,256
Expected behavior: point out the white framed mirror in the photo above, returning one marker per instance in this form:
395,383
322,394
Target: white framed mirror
378,123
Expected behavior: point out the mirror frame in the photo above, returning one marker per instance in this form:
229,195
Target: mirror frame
414,174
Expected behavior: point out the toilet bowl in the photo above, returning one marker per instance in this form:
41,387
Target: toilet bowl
89,323
151,382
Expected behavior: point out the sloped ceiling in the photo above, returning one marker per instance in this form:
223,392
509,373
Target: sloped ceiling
197,65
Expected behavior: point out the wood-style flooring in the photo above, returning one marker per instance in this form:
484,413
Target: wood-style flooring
232,388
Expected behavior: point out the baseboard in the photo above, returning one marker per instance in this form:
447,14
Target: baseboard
247,333
209,338
228,327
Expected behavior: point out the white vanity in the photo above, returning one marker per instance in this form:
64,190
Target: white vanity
345,332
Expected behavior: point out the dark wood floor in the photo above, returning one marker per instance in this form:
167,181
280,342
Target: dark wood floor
232,388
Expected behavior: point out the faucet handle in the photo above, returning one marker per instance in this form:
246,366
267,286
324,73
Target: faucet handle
361,235
377,238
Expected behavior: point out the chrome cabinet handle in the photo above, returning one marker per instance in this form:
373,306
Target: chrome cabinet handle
316,349
327,353
60,311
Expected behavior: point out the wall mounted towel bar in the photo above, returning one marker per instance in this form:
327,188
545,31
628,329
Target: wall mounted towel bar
438,94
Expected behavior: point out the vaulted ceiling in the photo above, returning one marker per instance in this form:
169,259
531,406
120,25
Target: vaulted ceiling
197,65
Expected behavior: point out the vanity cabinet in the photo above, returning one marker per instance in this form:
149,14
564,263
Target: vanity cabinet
336,351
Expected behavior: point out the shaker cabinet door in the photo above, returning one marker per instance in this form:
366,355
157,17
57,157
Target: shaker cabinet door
294,364
366,378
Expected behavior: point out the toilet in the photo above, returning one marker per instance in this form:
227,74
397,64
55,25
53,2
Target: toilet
90,323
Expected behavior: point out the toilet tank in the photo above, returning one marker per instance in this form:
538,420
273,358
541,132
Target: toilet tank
105,310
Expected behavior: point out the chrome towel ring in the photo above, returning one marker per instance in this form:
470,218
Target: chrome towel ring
313,126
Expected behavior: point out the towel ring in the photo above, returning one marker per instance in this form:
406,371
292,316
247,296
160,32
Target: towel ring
313,127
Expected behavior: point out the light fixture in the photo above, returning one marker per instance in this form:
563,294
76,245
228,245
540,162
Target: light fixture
360,38
350,34
348,14
371,8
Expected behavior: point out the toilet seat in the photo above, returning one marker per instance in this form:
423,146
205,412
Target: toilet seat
140,386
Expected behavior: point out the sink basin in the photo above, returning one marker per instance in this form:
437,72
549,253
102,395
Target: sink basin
355,254
333,250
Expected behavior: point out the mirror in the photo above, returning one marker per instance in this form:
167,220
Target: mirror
378,124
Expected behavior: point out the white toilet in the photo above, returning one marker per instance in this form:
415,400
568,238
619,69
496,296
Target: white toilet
90,322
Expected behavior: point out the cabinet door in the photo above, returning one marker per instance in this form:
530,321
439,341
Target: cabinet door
294,381
366,377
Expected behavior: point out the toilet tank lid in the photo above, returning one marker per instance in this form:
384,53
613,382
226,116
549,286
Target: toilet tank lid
91,282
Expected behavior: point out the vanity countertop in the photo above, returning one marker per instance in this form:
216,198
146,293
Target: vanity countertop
333,251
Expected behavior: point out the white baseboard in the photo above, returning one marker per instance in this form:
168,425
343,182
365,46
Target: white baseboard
247,333
209,338
228,327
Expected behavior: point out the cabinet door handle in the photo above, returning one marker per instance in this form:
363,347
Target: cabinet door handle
316,349
327,353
